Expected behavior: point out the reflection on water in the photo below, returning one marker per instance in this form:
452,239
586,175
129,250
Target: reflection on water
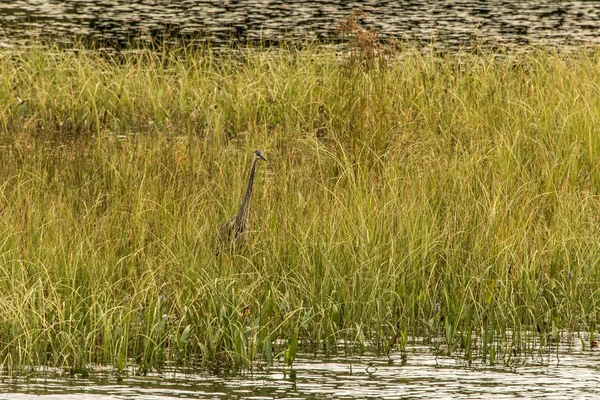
556,23
565,373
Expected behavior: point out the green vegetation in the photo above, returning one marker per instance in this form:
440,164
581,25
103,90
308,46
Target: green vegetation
453,198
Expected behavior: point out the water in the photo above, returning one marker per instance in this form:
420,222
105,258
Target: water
453,22
567,373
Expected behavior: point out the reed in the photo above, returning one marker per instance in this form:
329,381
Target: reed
450,198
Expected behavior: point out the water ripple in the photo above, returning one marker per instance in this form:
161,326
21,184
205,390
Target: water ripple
568,373
456,23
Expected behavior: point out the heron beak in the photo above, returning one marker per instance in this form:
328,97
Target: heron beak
261,156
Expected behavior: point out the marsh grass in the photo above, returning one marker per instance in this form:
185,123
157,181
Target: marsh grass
448,197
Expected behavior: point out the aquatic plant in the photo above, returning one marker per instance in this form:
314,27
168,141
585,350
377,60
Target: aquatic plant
451,198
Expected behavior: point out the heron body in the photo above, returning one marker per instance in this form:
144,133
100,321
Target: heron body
234,230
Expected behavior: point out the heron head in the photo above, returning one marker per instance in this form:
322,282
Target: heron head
260,155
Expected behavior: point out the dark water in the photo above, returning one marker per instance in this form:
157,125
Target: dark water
452,22
564,374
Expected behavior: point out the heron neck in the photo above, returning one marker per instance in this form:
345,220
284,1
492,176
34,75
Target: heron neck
246,202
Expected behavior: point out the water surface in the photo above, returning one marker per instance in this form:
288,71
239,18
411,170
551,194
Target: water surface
569,372
453,22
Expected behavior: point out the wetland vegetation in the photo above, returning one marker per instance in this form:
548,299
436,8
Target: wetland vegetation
453,198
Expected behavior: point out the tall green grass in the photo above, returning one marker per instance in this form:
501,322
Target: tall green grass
452,198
